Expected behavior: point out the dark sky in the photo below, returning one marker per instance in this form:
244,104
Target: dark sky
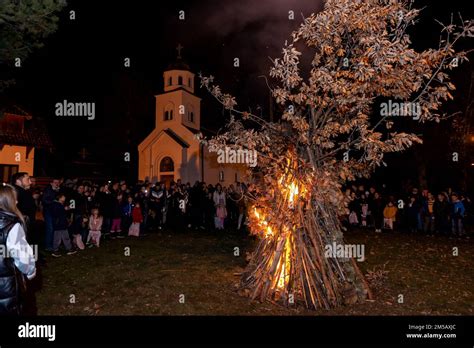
83,61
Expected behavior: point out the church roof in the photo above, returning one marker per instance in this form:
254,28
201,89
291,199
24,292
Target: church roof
14,109
179,88
18,127
176,138
194,131
179,64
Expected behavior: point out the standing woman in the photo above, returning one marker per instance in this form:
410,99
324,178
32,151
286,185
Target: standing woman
220,205
16,257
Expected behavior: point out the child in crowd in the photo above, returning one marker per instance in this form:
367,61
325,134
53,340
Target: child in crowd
127,208
81,237
353,208
389,215
60,226
95,226
137,219
364,210
116,229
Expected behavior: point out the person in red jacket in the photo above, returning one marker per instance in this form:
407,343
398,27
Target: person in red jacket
137,219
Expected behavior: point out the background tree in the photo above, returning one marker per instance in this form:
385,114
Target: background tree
462,140
24,24
331,131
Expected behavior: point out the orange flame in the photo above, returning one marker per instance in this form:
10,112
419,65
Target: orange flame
285,262
290,191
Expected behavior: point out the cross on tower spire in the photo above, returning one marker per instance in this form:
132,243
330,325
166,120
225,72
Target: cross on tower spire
179,48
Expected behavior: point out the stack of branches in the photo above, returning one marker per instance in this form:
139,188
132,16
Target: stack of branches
289,263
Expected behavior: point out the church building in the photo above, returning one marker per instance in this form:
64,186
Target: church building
171,151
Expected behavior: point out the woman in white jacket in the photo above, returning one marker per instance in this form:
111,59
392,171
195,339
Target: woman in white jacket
16,255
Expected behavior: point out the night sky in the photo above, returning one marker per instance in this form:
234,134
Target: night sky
83,61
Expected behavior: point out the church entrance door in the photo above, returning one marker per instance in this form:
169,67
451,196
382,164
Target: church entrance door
166,179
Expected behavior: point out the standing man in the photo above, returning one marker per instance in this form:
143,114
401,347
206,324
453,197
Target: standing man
26,204
441,214
49,195
80,208
457,217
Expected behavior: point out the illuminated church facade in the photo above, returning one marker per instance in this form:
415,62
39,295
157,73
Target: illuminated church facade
171,151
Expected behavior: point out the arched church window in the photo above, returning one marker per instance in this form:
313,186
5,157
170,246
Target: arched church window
167,165
190,113
168,115
180,80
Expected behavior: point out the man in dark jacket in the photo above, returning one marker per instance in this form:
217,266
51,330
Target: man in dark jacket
194,205
79,208
26,204
49,196
107,208
441,214
457,216
376,207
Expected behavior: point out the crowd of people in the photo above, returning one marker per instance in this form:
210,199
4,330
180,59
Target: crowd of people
420,211
79,214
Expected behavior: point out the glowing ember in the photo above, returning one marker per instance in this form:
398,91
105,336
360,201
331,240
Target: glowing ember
269,232
285,265
293,192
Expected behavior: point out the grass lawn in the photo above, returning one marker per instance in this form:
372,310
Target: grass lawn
202,267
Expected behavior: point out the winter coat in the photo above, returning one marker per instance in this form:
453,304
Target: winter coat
137,215
376,207
12,282
458,209
116,209
219,198
58,212
95,224
26,203
127,209
441,210
49,195
390,212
